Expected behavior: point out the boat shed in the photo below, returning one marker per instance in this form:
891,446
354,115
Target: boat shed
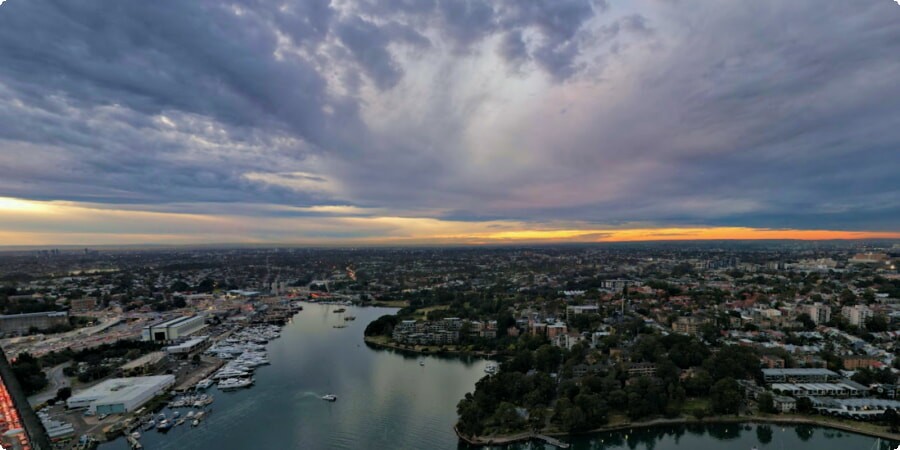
173,329
121,395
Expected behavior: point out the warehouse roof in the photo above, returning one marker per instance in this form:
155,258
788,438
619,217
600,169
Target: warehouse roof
120,389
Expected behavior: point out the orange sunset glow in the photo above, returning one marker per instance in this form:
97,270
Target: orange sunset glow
35,223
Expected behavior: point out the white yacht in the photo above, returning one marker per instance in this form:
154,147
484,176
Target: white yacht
329,397
204,384
225,374
235,383
491,369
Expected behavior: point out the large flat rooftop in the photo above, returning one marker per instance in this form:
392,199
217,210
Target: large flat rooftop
798,372
120,389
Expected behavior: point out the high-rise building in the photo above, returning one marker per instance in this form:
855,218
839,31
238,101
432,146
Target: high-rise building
819,313
688,325
857,315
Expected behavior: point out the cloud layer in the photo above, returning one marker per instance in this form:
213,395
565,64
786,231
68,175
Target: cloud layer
534,114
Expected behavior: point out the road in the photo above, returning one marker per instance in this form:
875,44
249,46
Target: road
56,380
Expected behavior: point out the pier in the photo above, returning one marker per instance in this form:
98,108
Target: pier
552,441
481,441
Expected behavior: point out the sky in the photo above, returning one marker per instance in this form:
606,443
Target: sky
435,121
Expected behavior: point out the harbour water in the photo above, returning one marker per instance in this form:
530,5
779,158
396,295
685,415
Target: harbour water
387,400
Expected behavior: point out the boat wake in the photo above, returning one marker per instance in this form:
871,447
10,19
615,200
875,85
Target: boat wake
309,394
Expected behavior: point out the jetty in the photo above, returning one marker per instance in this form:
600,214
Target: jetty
552,441
481,441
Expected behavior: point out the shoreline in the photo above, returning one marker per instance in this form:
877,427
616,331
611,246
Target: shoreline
481,441
394,346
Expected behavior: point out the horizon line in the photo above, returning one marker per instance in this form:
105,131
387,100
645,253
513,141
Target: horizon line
511,243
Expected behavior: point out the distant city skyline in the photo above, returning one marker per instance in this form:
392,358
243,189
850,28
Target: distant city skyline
440,122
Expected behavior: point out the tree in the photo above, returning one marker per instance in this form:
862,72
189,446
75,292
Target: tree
807,321
725,396
804,405
892,418
28,371
507,418
698,413
470,416
766,403
547,358
382,326
698,385
569,416
710,332
733,361
877,324
63,394
537,417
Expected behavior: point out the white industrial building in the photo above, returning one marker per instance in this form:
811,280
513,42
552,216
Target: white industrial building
173,329
189,346
801,375
121,395
845,388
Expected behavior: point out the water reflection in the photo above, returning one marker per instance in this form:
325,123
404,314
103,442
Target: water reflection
764,434
720,436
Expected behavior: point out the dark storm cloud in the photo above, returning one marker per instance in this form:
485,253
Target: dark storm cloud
148,58
513,48
66,62
752,114
766,113
368,43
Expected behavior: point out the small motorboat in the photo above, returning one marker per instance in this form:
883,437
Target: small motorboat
329,397
421,362
164,425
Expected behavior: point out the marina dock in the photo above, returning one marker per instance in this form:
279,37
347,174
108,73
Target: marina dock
195,377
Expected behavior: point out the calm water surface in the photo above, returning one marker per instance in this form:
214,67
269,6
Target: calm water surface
722,437
388,401
385,398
